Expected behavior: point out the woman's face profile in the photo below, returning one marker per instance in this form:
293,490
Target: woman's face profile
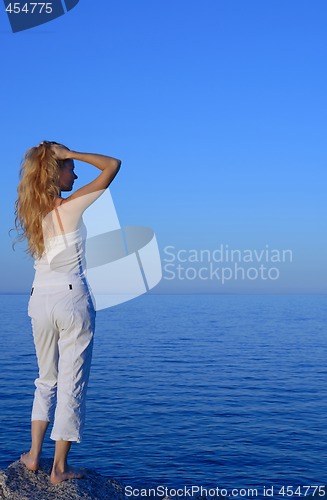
67,175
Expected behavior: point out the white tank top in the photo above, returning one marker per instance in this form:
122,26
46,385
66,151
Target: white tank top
63,261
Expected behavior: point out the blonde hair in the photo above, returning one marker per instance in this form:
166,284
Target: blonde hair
37,190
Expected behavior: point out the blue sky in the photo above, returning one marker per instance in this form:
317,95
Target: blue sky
216,108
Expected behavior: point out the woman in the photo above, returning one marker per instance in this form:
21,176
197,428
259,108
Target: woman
61,305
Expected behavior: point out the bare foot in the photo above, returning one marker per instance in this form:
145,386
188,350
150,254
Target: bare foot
58,476
31,462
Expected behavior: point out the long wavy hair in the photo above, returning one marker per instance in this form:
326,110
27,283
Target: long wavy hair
37,190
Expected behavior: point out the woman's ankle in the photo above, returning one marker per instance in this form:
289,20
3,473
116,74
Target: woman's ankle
34,454
59,466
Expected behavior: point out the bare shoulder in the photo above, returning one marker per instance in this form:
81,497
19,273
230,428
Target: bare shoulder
69,220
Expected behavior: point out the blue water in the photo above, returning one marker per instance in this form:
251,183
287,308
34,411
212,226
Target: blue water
212,390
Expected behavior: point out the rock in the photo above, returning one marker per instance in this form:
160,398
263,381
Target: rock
19,483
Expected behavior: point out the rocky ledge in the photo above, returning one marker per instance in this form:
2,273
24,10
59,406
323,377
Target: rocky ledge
19,483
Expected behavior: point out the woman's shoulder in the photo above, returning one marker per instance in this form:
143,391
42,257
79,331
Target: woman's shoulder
65,221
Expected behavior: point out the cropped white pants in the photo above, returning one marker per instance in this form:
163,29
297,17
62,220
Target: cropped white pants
63,325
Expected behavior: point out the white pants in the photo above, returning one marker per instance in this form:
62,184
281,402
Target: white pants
63,324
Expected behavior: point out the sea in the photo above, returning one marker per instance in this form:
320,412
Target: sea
200,391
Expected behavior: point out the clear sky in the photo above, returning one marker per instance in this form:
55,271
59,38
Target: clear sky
217,109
